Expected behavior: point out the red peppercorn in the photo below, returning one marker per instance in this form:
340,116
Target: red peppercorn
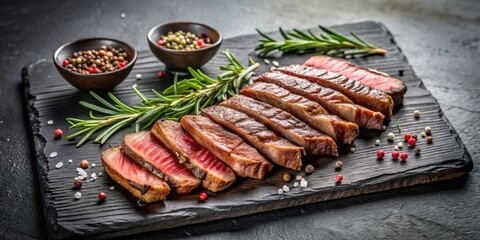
91,70
407,136
404,156
200,42
395,155
339,178
78,183
160,42
203,196
102,196
58,133
66,62
380,154
160,74
412,142
122,64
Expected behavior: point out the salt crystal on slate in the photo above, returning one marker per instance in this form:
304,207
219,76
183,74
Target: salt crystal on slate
70,160
53,154
303,183
59,165
298,177
286,188
275,63
123,15
112,188
295,184
78,195
93,175
280,191
93,165
100,174
50,122
81,177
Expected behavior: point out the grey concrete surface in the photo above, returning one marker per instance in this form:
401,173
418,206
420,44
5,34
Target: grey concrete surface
440,38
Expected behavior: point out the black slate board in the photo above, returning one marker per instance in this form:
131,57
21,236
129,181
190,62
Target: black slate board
48,97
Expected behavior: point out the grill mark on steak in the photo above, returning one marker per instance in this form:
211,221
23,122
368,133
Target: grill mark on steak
373,78
216,176
285,124
245,160
306,110
333,101
360,93
277,149
136,179
149,152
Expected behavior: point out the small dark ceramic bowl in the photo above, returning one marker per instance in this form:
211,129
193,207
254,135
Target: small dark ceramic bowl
95,81
178,60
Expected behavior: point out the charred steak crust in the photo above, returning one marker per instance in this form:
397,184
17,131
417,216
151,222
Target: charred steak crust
282,122
245,160
216,176
358,92
306,110
373,78
277,149
151,189
141,146
333,101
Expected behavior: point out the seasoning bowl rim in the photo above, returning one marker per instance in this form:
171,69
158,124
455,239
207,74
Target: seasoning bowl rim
130,62
150,33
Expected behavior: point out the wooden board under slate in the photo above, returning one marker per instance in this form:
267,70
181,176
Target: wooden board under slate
51,98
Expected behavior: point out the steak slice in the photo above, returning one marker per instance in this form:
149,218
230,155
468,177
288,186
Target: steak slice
306,110
149,152
335,102
358,92
285,124
375,79
277,149
245,160
136,179
216,176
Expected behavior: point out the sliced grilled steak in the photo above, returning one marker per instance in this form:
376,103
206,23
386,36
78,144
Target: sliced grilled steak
245,160
335,102
375,79
216,176
136,179
149,152
306,110
358,92
277,149
285,124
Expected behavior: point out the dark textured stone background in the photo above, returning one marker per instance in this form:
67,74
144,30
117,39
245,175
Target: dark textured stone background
440,39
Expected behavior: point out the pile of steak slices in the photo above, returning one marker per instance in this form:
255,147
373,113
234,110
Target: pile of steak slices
285,114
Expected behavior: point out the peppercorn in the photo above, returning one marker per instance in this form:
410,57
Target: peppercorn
160,74
339,178
309,169
403,156
380,154
58,133
423,134
428,130
339,164
287,177
416,114
84,164
412,142
429,139
417,151
407,136
202,196
414,136
395,155
390,136
102,196
78,183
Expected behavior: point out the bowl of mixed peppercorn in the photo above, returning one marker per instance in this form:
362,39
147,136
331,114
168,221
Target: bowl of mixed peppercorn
180,45
95,63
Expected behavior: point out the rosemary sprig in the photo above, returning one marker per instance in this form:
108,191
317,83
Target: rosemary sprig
183,97
331,43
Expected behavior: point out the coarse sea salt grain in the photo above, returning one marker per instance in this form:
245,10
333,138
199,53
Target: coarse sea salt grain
352,149
275,63
78,195
123,15
59,165
100,174
93,165
295,184
50,122
53,154
286,188
280,191
266,61
303,183
70,160
299,177
112,188
93,175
